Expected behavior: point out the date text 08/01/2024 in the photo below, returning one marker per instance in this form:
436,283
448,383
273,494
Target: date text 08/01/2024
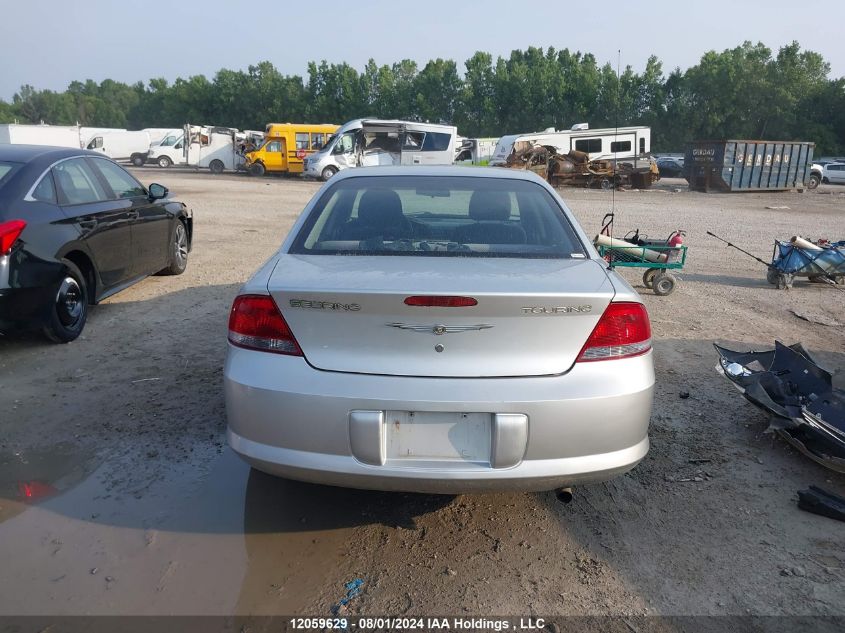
365,623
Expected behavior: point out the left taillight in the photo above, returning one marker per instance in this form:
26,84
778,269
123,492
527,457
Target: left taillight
256,323
9,233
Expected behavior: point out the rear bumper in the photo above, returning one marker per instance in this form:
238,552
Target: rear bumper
291,420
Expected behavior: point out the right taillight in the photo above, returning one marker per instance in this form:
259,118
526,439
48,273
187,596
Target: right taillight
623,331
9,234
256,323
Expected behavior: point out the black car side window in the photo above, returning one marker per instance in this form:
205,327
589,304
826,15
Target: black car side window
121,183
76,183
45,191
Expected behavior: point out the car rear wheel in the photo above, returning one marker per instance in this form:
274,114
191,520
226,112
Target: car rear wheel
328,172
137,160
178,251
70,306
164,161
216,166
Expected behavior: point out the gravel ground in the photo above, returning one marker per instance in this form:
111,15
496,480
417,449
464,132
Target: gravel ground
148,512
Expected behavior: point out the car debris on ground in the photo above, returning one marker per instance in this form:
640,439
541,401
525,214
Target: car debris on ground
806,410
819,501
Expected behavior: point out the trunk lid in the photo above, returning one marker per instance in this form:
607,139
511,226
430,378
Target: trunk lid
532,318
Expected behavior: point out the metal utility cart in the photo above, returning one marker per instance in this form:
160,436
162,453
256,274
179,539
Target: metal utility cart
824,264
642,255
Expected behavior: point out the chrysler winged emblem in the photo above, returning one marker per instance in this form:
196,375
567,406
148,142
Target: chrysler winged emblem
439,328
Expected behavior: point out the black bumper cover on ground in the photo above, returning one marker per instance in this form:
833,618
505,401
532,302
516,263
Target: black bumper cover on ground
807,411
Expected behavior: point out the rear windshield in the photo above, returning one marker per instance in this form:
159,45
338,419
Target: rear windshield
452,216
7,168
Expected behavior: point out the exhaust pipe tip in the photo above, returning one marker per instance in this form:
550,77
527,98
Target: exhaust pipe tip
564,495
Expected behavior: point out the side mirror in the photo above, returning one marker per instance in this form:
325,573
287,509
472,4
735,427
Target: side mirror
157,191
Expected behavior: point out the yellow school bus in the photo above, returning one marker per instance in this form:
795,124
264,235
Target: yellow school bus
285,146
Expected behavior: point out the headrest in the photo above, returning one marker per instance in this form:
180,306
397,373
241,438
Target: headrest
490,205
380,205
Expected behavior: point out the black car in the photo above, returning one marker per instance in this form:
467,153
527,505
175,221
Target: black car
670,167
75,228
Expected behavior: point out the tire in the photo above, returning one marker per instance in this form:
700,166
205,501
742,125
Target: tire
813,182
69,311
605,184
256,169
178,250
327,173
664,284
648,277
216,166
772,276
138,161
164,161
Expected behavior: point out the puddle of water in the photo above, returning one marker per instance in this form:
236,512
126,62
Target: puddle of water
145,537
28,477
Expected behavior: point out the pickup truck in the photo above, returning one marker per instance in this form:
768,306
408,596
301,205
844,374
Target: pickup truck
827,172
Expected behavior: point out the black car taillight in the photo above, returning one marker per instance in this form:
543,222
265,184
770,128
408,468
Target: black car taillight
9,233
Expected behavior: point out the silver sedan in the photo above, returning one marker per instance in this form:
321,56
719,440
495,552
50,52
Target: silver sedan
439,330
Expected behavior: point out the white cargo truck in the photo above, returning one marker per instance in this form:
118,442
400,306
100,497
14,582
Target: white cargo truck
58,135
475,151
215,148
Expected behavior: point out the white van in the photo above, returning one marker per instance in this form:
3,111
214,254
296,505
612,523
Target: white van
607,143
157,134
169,151
367,142
121,145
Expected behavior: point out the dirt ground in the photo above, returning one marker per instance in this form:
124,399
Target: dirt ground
138,507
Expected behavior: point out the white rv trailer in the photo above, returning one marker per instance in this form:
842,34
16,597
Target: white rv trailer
120,145
607,143
58,135
367,142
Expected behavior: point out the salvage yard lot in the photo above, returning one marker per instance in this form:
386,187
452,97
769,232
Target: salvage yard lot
145,511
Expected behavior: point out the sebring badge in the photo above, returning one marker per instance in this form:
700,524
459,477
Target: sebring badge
556,309
439,329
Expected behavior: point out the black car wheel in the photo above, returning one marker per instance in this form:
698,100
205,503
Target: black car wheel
216,166
813,182
138,160
328,172
164,161
178,251
256,169
70,306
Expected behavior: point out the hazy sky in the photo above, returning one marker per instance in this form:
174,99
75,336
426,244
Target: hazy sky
49,43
